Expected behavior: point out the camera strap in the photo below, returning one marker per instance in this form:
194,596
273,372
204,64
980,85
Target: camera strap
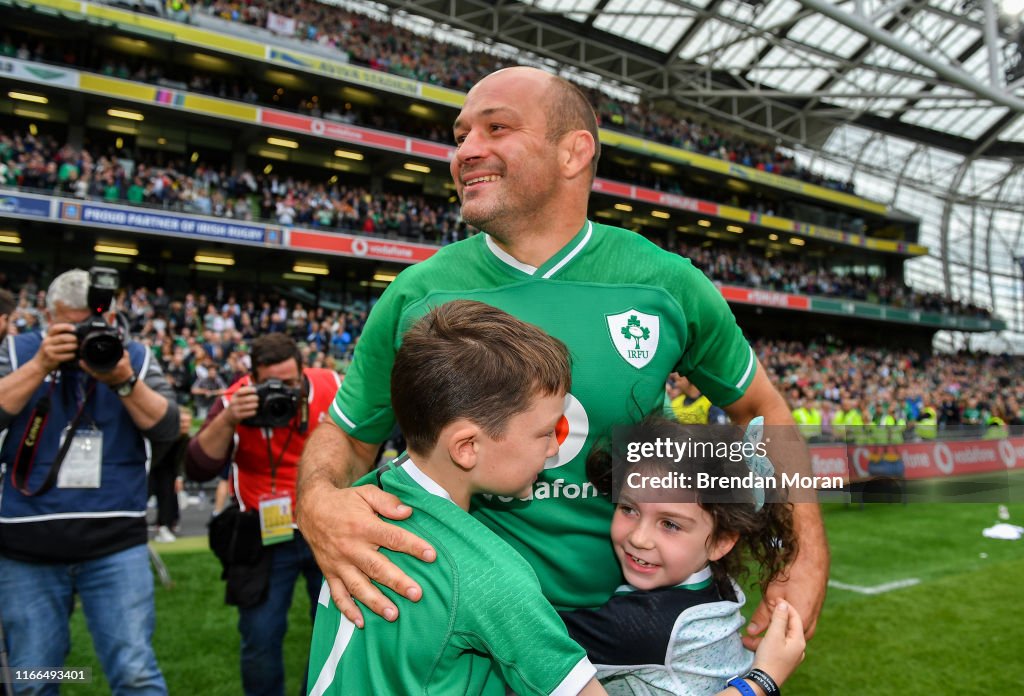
25,458
304,406
268,435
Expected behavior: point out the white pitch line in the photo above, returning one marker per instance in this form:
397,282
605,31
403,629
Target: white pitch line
876,589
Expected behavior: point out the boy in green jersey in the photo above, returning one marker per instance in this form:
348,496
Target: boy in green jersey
478,395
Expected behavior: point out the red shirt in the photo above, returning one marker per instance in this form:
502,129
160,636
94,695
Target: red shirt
249,457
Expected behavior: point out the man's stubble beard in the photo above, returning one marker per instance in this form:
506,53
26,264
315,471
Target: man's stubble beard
492,219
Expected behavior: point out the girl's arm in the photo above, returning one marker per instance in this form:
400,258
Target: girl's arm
780,651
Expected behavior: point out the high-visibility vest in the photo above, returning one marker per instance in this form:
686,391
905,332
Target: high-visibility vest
808,420
695,412
856,431
839,425
928,427
996,429
889,430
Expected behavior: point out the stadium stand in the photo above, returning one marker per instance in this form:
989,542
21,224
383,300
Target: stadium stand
43,164
850,250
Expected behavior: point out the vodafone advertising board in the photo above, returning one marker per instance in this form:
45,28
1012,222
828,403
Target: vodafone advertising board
923,459
359,247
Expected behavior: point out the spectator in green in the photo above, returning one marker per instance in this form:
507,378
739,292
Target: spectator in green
136,192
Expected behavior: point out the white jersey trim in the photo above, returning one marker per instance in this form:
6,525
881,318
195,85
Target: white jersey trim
572,254
574,682
425,482
751,365
507,258
693,579
341,640
341,416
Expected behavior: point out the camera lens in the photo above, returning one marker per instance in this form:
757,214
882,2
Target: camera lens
279,407
101,351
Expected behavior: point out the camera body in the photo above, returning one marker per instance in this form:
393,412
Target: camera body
278,405
100,345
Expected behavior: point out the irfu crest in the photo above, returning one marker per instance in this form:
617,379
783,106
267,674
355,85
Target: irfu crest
635,336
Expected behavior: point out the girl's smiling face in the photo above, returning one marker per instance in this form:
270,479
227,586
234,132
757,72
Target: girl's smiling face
660,544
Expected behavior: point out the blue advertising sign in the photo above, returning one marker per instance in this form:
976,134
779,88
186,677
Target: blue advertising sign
167,223
23,206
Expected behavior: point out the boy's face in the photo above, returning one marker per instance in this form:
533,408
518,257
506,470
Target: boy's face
508,466
660,544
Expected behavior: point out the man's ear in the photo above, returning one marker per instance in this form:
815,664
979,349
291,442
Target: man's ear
461,439
576,153
722,546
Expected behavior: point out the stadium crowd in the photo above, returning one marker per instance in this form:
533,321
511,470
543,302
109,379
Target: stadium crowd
961,392
390,48
202,341
386,47
737,266
89,57
42,163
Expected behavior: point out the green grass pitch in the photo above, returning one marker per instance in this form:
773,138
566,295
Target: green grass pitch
957,631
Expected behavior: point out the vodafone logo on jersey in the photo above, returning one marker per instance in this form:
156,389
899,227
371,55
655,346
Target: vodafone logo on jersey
572,432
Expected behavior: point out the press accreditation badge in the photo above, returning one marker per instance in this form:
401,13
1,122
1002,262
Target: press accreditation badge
84,460
276,523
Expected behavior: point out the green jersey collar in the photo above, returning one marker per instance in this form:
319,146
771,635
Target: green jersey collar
552,265
697,581
425,482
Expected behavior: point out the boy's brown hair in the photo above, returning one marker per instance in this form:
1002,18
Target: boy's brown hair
469,360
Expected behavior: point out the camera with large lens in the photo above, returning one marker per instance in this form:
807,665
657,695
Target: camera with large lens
278,405
100,345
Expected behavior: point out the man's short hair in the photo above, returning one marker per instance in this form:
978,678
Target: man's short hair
469,360
6,302
569,110
71,289
273,348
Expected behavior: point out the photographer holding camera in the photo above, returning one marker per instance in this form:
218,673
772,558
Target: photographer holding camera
81,410
260,426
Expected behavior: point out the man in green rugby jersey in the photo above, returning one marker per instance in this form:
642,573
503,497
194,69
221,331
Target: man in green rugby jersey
630,312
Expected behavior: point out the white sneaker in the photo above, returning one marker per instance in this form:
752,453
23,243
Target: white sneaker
164,535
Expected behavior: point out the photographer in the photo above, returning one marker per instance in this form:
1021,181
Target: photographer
81,411
261,431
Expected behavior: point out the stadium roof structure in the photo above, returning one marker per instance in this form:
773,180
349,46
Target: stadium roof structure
920,103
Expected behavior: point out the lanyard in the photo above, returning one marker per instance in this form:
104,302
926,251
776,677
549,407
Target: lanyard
268,435
25,458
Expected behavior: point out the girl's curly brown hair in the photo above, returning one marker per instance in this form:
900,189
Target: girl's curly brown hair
766,536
